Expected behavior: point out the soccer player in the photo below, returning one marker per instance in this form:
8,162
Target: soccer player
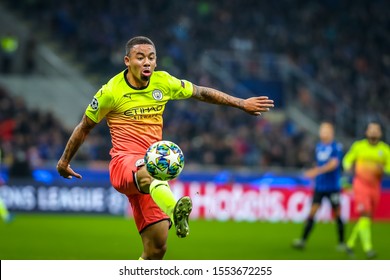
368,160
328,154
133,102
5,215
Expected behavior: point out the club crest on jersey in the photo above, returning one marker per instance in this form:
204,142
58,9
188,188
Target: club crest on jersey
157,94
94,104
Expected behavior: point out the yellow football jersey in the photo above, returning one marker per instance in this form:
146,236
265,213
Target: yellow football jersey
369,161
134,116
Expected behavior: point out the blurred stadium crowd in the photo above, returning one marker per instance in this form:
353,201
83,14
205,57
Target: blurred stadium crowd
27,137
341,44
31,138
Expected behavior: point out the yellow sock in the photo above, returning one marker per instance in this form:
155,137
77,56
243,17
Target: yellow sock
163,196
355,233
365,233
4,214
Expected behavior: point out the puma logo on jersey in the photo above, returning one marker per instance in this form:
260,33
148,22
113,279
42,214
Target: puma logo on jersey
128,95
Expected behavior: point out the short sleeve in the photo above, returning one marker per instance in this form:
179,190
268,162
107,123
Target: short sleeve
387,159
350,156
101,105
180,89
337,151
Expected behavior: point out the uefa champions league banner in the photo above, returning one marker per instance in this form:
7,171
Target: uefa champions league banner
30,196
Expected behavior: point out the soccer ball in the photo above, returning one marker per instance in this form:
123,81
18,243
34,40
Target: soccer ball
164,160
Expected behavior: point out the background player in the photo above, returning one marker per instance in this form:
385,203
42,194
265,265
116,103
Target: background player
133,102
5,215
368,159
327,172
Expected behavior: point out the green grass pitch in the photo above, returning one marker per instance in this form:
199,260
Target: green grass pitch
79,237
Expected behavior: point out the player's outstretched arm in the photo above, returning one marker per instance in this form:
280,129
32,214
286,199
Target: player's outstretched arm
76,139
318,170
386,167
253,105
349,158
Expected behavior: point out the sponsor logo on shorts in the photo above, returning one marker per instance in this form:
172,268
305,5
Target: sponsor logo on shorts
335,198
140,162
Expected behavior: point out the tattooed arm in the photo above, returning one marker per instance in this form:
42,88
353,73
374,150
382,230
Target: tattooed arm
253,105
76,139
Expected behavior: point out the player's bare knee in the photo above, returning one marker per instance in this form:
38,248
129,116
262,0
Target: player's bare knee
155,252
144,184
143,180
158,252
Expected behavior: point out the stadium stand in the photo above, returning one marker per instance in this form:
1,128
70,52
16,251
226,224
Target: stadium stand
337,53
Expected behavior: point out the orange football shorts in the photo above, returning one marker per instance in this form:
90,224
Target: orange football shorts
366,196
122,175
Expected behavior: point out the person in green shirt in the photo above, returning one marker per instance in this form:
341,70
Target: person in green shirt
8,47
368,160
